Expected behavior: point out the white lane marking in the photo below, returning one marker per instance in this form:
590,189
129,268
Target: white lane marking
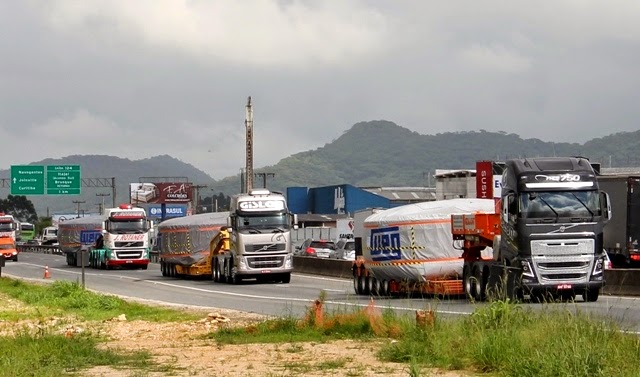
242,295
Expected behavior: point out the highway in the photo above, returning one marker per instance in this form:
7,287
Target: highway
278,299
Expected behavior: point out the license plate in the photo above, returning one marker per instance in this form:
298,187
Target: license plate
564,286
129,261
265,272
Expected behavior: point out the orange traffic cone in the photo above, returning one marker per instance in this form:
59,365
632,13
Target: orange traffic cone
47,274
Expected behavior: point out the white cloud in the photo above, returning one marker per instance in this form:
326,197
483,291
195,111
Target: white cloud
260,32
496,57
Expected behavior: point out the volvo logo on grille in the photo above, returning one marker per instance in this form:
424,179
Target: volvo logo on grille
562,229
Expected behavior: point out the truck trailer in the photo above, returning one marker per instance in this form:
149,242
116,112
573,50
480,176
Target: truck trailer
183,244
622,233
546,237
119,237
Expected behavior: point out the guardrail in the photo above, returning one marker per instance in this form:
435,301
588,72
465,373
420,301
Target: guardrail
45,249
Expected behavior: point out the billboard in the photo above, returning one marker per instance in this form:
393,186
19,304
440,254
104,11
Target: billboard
163,192
171,210
484,179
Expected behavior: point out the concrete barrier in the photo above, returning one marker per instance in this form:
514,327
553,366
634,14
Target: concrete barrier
619,282
622,282
322,266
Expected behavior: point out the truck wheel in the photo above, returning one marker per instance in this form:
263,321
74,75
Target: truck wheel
286,278
374,287
467,279
384,288
355,283
215,273
479,289
144,267
15,258
222,278
361,285
591,295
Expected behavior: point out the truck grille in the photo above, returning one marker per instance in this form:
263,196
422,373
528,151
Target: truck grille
129,244
266,262
266,247
129,254
563,261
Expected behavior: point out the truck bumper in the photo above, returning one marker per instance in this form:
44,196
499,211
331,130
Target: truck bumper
562,287
265,271
127,262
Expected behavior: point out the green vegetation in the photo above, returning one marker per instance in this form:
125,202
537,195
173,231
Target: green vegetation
53,355
501,339
43,350
68,297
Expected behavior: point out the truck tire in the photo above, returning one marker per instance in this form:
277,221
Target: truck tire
384,288
286,278
361,285
15,258
591,295
163,270
215,270
467,280
355,283
478,281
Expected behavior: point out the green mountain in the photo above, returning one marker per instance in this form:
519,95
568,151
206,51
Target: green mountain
375,153
381,153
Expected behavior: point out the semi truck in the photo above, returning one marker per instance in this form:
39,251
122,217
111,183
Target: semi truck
260,227
545,237
119,237
9,227
622,233
257,241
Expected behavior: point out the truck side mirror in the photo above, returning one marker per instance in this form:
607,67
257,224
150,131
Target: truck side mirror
295,221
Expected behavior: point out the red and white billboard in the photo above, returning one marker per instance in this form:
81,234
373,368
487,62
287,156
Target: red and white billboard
163,192
488,185
484,179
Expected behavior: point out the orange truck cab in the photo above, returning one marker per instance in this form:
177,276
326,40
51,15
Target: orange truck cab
8,248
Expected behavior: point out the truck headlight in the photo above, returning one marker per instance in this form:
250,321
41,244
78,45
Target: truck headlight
598,267
288,262
242,264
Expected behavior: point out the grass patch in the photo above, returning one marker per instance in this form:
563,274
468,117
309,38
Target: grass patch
506,340
67,297
56,355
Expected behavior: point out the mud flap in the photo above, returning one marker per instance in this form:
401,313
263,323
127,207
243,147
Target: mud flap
504,283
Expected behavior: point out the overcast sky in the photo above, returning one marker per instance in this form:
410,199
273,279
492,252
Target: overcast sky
136,79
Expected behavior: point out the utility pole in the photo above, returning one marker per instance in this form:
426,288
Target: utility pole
264,177
78,202
216,201
248,123
101,206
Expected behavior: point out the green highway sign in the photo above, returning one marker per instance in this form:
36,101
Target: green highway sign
27,180
63,180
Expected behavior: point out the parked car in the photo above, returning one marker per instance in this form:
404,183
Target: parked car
345,250
316,248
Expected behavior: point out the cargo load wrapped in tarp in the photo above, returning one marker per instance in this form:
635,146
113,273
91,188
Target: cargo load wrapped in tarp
185,240
414,242
69,231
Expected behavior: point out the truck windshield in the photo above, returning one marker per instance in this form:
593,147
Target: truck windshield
554,204
127,226
262,223
5,227
7,247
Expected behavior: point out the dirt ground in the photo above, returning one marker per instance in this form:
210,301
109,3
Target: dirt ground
179,349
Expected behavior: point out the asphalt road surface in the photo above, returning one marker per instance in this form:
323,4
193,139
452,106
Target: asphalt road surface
278,299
